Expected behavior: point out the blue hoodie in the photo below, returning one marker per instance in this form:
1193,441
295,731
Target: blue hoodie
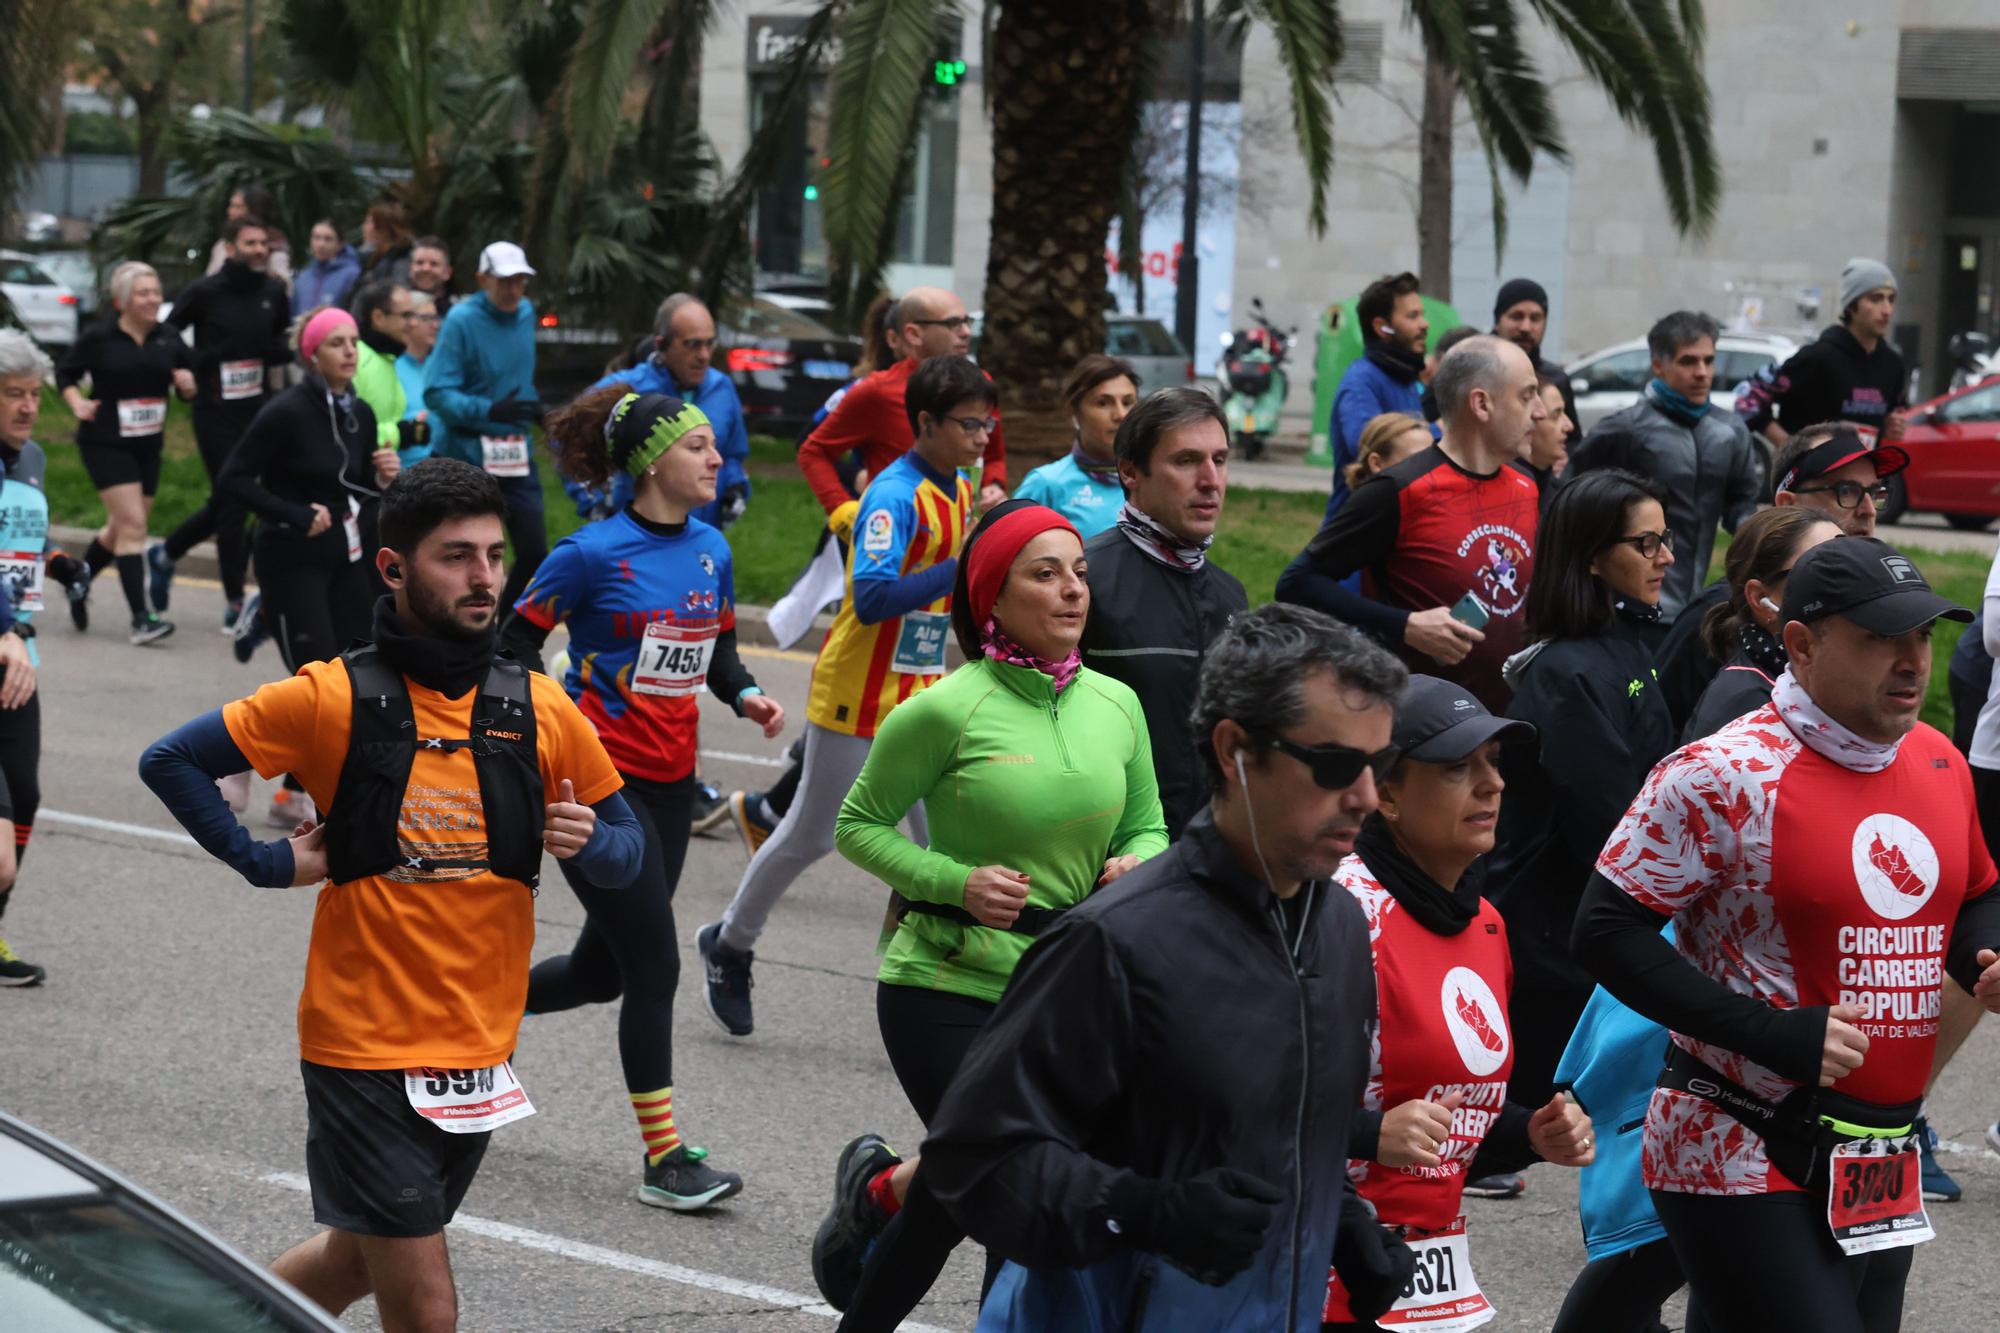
481,357
1366,391
716,397
328,283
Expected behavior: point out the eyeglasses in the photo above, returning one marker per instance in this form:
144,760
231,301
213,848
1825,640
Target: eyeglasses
957,323
1338,767
976,425
429,317
1847,494
1648,544
698,344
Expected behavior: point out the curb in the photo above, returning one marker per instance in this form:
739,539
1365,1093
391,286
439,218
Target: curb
752,622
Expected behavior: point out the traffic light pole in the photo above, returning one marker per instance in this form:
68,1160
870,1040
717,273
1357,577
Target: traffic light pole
1188,279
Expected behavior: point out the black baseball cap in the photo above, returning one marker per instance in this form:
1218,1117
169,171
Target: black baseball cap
1440,723
1846,445
1868,581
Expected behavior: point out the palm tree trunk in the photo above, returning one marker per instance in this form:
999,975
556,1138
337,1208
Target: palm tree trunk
1434,180
153,115
1064,114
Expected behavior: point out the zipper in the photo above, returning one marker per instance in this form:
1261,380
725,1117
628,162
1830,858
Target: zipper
1062,746
1290,952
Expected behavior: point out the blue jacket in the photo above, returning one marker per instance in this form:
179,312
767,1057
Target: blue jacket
716,397
328,283
1366,391
1065,487
481,357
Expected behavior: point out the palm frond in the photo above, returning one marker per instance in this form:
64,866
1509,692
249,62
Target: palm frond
30,94
1479,41
598,75
1310,43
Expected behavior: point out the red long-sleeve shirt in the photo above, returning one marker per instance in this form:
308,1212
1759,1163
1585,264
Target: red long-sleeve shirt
871,418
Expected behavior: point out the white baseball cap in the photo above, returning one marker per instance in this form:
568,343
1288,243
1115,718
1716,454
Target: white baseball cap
504,259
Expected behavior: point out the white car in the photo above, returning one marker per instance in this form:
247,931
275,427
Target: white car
45,307
1612,379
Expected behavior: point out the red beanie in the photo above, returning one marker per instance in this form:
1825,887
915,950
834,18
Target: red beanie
993,554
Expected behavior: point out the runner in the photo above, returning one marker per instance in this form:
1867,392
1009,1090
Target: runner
887,643
1825,871
650,599
1437,1079
1852,373
418,961
241,318
132,364
1100,393
24,529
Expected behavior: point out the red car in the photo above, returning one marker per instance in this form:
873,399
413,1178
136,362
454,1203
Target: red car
1954,445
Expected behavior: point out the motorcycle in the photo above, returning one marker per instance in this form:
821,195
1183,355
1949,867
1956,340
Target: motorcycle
1973,359
1251,376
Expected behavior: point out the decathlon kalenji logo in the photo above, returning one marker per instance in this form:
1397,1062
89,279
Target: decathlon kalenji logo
1476,1021
1895,866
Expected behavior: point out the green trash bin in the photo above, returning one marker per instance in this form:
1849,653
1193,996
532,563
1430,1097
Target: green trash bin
1339,347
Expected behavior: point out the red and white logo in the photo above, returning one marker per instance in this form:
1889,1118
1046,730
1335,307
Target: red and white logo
1895,865
1476,1021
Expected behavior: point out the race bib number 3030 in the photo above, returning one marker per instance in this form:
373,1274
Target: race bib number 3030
467,1101
1877,1198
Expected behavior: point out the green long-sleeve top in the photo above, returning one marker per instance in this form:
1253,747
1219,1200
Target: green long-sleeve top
376,383
1010,775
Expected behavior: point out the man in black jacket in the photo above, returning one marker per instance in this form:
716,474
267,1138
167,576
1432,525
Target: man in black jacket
1521,316
1156,600
1153,1129
1852,373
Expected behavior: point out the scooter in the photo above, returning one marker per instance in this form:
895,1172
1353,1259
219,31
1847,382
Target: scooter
1252,379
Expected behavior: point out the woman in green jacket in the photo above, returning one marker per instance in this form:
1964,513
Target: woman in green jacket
1036,776
383,310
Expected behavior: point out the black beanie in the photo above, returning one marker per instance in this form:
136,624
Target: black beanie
1516,290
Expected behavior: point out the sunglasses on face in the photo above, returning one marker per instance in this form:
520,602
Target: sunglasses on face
1648,544
1338,767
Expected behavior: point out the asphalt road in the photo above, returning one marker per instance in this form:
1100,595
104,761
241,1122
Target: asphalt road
164,1045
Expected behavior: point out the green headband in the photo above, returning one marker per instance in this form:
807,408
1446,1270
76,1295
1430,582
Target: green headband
641,427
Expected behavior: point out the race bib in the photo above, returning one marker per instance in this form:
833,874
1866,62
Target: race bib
1877,1199
673,659
467,1101
140,417
240,380
21,575
504,455
352,522
920,643
1442,1296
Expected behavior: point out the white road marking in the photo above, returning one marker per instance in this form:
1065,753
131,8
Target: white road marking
582,1252
114,826
738,757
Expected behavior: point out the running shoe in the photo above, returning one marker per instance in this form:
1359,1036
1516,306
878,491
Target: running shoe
250,631
78,590
1993,1136
159,575
685,1182
150,629
711,807
746,808
1507,1185
14,972
288,807
840,1248
232,615
1939,1187
727,972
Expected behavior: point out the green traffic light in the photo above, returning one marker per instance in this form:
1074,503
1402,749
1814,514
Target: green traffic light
948,72
812,192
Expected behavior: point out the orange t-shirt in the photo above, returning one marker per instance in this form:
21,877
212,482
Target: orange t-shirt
414,967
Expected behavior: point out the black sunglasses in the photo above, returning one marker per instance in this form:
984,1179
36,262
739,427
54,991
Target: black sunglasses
1337,767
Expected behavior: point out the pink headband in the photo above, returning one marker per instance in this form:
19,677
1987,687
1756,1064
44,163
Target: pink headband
319,326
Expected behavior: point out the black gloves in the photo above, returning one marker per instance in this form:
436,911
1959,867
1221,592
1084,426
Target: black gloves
1210,1225
412,432
1374,1265
514,411
734,503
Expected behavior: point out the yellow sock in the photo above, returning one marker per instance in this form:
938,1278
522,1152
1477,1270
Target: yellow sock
656,1123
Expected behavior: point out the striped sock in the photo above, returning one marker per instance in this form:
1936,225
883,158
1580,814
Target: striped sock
656,1123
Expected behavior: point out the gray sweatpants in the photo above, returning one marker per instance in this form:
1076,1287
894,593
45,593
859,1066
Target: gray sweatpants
832,761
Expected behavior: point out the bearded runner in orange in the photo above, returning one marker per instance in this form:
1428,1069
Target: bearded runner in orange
887,643
445,772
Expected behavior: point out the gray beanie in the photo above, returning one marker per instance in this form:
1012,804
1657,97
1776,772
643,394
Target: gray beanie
1860,277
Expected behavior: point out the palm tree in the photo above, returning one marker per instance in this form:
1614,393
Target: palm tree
1646,57
30,99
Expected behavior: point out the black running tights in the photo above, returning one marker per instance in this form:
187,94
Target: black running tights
20,777
1623,1292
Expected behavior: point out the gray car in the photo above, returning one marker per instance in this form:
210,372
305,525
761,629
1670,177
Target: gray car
1151,348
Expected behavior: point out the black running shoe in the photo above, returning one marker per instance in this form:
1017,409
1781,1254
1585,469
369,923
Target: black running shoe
150,629
79,601
711,808
727,972
159,575
250,629
685,1182
14,972
1505,1185
840,1247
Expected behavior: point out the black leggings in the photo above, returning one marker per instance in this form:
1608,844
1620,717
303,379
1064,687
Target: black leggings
927,1034
1766,1261
628,945
1622,1293
217,428
315,600
20,776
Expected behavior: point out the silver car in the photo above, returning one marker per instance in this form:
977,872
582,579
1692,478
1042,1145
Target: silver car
45,307
1612,379
1151,348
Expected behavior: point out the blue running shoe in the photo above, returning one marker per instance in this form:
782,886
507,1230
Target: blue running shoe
1939,1187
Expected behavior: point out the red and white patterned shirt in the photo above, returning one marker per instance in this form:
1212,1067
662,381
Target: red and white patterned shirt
1797,881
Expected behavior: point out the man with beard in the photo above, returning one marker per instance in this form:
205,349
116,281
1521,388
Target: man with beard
417,969
1389,375
1521,316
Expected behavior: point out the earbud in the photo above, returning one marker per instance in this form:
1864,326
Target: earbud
1769,605
394,571
1382,330
1245,782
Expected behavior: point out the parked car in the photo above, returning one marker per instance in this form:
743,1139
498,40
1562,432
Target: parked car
1151,348
785,363
1954,447
76,270
1612,379
83,1248
45,307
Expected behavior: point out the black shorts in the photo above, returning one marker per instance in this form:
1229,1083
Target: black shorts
120,465
377,1167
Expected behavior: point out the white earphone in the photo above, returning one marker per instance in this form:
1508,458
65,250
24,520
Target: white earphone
1769,605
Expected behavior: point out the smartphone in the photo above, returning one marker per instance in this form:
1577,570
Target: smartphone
1470,613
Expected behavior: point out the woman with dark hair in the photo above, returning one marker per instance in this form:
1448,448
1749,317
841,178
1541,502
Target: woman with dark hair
1036,775
385,243
1742,633
1084,487
655,566
1587,686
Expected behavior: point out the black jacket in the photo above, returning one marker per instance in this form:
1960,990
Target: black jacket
1831,379
304,449
1149,627
119,370
237,314
1602,725
1684,663
1174,1022
1740,687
